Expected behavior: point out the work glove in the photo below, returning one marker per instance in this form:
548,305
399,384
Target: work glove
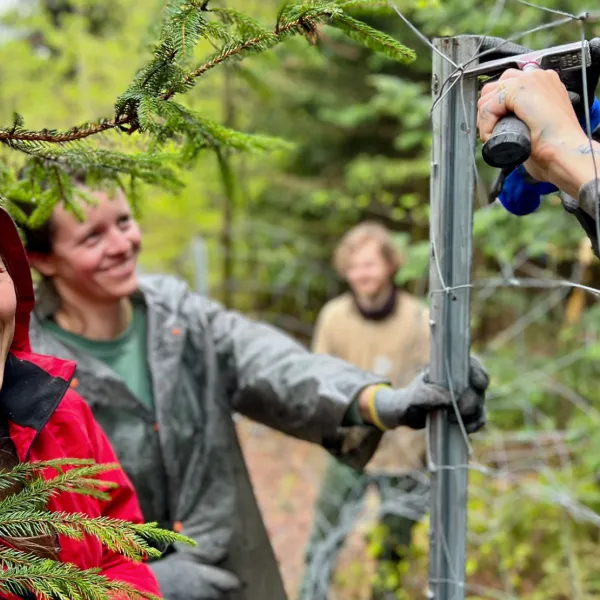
410,406
181,578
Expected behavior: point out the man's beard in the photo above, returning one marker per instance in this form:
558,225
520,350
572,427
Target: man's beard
380,305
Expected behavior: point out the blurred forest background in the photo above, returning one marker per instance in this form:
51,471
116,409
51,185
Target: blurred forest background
358,127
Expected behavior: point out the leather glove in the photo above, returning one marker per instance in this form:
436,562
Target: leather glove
410,406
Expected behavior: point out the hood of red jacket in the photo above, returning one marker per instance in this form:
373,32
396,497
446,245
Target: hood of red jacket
33,385
13,253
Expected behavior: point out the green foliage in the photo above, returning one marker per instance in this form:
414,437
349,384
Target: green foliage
37,174
147,104
371,38
24,573
358,126
25,515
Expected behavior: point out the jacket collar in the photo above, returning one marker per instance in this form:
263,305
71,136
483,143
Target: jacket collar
30,394
47,301
384,311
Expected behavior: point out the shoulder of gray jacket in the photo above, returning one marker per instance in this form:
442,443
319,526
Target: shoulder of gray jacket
173,294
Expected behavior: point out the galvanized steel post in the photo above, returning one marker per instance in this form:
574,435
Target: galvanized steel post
452,196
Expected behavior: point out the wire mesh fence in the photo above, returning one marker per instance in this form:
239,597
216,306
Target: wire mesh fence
534,491
549,485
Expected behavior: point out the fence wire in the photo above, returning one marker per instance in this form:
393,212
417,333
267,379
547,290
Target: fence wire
537,475
534,507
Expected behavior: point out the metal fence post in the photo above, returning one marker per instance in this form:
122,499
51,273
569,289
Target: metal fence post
452,196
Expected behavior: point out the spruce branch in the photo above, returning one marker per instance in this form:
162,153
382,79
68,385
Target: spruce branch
186,23
99,163
372,38
370,6
176,121
38,492
24,514
129,539
23,573
245,26
24,517
22,472
147,105
17,133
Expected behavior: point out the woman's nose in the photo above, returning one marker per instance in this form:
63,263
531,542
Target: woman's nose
118,242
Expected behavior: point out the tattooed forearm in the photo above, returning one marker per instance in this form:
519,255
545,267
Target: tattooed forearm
588,149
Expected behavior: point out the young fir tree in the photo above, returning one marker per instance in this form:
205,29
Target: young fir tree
38,175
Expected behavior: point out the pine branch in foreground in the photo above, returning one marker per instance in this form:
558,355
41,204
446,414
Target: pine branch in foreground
23,515
23,573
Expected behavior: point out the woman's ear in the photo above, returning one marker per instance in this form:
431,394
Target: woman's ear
42,263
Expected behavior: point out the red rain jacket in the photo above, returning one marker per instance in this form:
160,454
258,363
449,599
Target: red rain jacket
48,420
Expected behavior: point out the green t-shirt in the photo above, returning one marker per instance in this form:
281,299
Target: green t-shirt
126,355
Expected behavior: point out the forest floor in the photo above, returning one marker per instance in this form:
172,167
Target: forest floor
286,474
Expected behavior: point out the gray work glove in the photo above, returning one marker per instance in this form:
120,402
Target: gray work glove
410,406
181,578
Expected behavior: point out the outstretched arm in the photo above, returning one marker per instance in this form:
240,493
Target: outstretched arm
274,380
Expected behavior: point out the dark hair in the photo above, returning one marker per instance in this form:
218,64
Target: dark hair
37,239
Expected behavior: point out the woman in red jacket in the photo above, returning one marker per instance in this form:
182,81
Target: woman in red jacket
41,418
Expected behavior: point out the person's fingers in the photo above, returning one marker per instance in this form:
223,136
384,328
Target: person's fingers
478,376
487,117
497,102
436,397
511,74
469,402
418,420
471,423
471,410
500,97
476,423
492,86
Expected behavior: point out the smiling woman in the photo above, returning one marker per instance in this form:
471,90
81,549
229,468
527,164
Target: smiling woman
91,263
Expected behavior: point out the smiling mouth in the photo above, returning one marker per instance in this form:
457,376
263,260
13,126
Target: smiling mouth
125,265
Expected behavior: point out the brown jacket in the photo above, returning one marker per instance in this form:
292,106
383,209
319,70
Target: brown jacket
396,348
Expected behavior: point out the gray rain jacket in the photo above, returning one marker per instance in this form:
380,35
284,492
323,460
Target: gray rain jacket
185,460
